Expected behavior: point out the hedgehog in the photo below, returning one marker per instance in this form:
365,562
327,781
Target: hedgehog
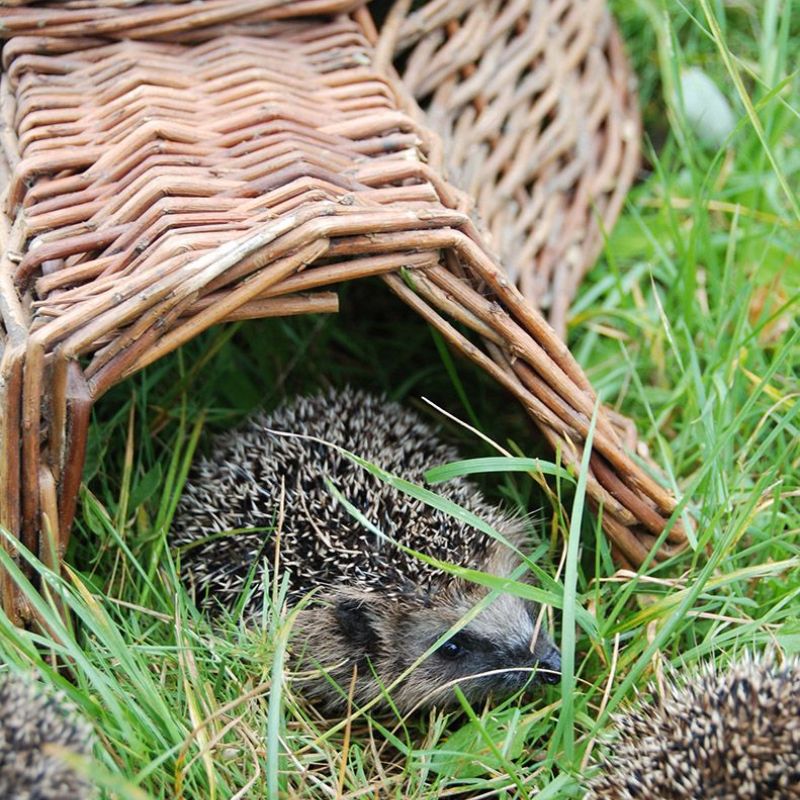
731,735
36,727
366,606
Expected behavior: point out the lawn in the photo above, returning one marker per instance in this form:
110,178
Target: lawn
687,324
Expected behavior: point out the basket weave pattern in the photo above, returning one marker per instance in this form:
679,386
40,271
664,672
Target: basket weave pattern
157,188
536,109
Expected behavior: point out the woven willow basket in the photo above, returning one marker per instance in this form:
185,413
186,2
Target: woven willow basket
178,165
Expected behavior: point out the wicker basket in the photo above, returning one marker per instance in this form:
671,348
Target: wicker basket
174,166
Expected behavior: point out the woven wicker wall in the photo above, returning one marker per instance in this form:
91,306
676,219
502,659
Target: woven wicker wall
537,112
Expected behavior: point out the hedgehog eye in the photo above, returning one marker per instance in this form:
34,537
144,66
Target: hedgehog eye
451,650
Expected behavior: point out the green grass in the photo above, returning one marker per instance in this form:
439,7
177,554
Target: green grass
688,325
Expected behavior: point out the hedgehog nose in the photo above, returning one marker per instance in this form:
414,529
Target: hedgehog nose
549,667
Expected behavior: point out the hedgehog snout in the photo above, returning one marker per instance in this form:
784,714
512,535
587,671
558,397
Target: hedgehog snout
532,667
548,666
524,641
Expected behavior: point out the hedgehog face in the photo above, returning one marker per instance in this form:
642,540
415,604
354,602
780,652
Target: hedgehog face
497,653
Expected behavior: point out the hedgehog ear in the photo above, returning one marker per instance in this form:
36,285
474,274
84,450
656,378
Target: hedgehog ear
355,622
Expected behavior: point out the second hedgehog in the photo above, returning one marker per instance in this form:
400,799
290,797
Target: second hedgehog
375,609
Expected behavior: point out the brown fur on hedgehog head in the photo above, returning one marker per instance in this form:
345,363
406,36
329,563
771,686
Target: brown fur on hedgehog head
732,735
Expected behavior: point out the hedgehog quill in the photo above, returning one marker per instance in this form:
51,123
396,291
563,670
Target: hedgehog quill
36,725
732,735
375,608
